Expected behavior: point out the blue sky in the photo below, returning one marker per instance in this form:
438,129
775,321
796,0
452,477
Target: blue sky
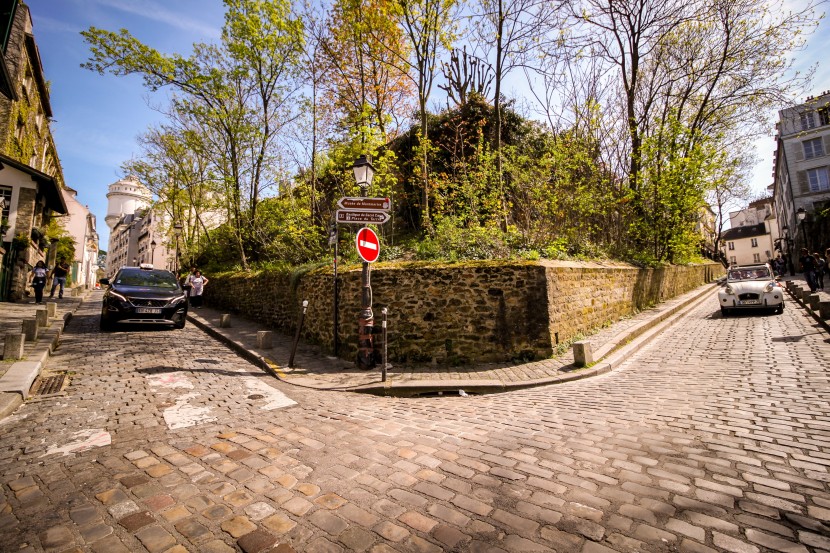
97,118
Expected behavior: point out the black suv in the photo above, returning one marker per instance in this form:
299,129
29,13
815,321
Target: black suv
143,295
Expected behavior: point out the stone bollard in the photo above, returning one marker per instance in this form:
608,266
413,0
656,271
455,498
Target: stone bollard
225,320
13,345
583,354
790,286
264,339
804,294
30,329
813,300
51,309
824,309
42,317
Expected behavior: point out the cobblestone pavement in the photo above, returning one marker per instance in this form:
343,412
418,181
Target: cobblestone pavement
712,438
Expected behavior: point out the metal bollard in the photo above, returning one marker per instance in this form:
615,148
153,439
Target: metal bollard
297,334
384,312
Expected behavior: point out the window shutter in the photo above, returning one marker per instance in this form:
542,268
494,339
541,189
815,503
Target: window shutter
803,184
827,144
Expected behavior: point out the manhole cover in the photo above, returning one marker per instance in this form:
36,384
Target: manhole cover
256,396
48,385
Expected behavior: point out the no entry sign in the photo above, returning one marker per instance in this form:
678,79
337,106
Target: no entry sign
368,245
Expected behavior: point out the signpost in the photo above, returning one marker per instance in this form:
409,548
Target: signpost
350,216
365,204
368,245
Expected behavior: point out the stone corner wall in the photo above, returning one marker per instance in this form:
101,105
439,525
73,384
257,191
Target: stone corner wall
457,313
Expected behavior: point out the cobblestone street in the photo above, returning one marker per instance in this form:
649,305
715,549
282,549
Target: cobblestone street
715,437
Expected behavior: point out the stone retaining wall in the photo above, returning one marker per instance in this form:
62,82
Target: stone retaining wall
459,313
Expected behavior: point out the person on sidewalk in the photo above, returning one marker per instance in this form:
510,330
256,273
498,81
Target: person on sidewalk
38,280
59,278
808,267
197,284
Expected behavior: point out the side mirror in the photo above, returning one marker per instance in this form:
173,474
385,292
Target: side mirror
104,282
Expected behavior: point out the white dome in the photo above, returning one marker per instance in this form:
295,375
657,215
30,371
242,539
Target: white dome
125,197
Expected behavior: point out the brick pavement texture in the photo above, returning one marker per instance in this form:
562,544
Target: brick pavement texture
716,437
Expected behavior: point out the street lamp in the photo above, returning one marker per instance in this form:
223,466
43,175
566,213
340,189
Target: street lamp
153,252
801,215
177,232
364,172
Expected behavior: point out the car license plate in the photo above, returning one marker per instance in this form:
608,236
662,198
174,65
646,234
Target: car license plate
148,310
750,302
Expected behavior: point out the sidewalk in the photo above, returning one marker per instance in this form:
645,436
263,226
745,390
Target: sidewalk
313,368
16,376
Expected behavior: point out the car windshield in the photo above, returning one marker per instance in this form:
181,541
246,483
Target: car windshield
152,279
749,274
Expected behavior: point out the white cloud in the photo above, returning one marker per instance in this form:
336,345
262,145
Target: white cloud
155,12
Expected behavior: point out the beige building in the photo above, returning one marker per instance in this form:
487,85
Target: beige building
802,172
752,235
81,225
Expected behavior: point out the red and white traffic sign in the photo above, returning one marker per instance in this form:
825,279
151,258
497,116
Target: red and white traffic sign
368,245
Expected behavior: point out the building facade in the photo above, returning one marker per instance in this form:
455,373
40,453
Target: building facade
801,186
753,234
80,224
137,233
30,172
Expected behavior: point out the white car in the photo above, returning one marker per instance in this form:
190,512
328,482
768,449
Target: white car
751,287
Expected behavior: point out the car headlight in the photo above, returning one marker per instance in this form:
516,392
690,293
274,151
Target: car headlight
177,299
117,295
729,290
769,287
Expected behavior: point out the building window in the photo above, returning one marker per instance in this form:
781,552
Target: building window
813,148
733,260
754,242
756,257
769,255
731,245
818,179
824,115
807,121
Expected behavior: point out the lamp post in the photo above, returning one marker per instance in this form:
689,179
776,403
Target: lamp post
364,172
177,232
153,252
801,215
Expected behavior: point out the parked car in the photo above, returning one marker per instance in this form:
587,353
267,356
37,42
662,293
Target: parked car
143,295
751,287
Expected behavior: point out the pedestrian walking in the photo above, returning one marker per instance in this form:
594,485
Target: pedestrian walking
197,283
38,280
59,278
808,267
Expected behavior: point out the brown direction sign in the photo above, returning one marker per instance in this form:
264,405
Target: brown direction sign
357,216
365,204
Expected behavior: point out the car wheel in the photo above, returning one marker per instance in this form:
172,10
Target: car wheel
724,312
180,325
780,308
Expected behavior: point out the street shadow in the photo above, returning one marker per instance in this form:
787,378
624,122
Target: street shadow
786,339
166,369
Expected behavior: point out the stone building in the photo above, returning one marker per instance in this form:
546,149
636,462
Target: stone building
30,172
802,175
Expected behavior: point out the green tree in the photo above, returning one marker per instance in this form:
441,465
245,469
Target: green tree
237,94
